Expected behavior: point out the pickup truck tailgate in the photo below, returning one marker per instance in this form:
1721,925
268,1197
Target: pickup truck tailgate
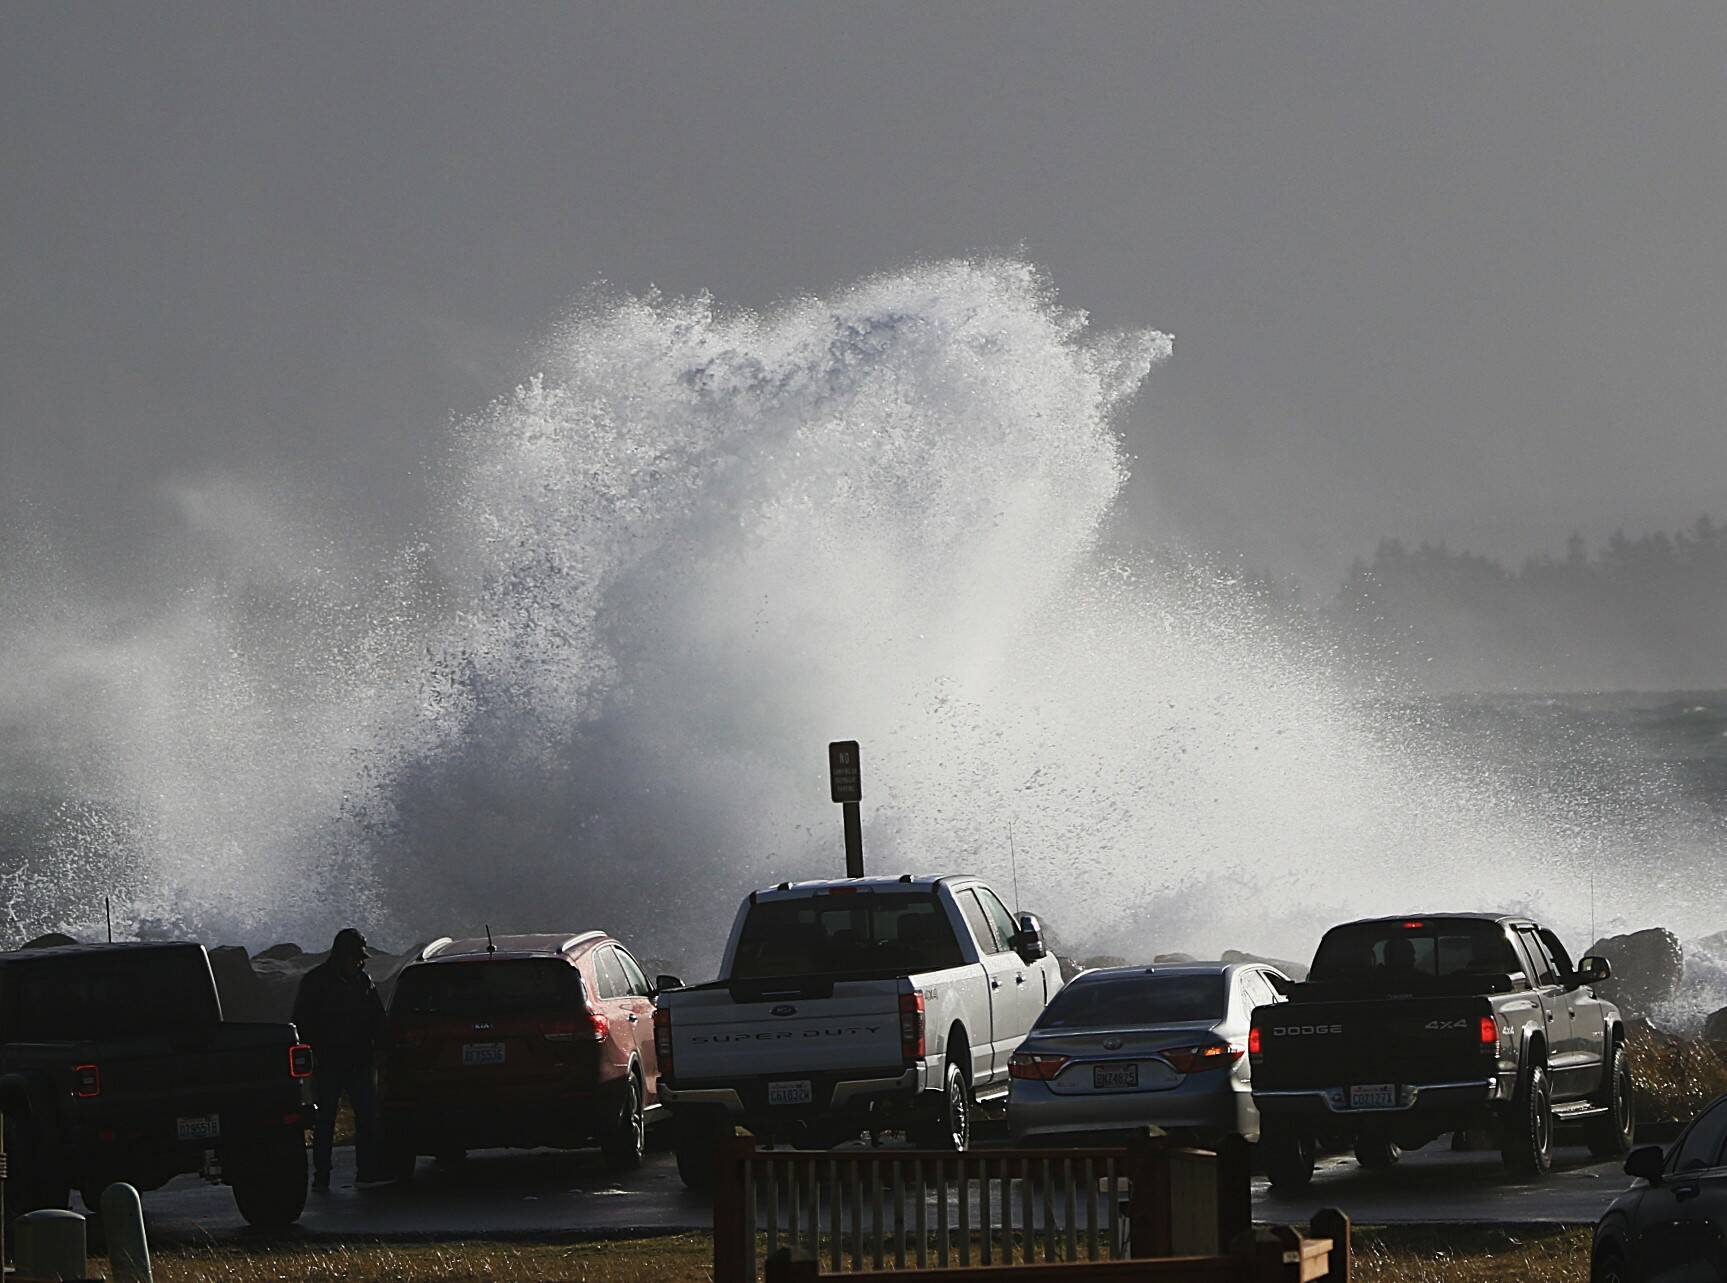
1403,1040
715,1037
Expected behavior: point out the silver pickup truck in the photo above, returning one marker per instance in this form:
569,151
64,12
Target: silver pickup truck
864,1004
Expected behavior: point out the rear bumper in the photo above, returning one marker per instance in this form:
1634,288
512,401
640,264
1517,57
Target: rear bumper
431,1126
746,1099
1210,1109
1442,1106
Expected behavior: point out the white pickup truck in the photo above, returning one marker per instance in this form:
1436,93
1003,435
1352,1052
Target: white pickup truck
861,1004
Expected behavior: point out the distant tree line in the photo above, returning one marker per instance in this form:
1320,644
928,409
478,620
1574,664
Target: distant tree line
1649,612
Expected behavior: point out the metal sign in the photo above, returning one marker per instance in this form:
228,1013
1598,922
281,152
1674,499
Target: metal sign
845,771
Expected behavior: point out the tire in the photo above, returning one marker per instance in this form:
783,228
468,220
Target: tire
948,1127
1609,1267
272,1194
1376,1153
36,1180
1288,1160
399,1164
626,1140
1609,1135
693,1143
1527,1147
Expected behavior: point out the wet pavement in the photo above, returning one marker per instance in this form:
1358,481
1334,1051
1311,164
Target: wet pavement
544,1193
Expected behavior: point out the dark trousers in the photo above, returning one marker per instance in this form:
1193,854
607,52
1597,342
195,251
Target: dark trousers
360,1082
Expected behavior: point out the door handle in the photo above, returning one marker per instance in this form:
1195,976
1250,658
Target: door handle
632,1017
1549,1015
1019,979
995,984
1683,1192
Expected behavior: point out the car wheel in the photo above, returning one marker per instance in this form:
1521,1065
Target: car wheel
627,1139
1609,1134
1609,1267
1288,1161
694,1140
1528,1145
271,1192
1376,1153
949,1127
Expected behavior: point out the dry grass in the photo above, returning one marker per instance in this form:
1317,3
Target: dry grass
683,1258
1445,1254
1395,1255
1675,1076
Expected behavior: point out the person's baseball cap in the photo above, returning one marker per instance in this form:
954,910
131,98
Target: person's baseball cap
349,941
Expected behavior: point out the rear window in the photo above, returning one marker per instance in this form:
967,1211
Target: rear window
120,996
486,987
852,935
1386,952
1116,1001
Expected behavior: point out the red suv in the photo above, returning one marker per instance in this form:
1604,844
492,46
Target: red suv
519,1041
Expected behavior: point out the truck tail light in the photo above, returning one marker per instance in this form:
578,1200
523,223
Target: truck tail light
86,1081
300,1061
911,1027
1489,1034
1033,1067
1206,1055
1255,1041
663,1041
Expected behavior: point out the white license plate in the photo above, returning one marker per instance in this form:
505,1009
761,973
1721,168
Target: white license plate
1115,1075
792,1093
199,1127
482,1053
1373,1096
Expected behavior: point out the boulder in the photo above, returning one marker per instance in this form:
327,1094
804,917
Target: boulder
281,952
1647,968
1715,1028
53,940
1174,957
242,995
1102,960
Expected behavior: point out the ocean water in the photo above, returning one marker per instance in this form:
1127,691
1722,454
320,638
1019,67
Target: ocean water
693,545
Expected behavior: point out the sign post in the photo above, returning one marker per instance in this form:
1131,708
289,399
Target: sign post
845,777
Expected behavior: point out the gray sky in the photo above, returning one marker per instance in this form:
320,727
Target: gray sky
1434,270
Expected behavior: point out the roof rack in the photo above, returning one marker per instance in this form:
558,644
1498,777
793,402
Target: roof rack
574,940
442,942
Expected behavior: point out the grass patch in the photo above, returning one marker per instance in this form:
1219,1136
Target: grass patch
1675,1076
1397,1254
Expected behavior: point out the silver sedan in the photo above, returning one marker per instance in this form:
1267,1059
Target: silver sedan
1121,1047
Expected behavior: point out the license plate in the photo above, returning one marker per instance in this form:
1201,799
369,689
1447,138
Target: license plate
1115,1075
482,1053
792,1093
1373,1096
199,1127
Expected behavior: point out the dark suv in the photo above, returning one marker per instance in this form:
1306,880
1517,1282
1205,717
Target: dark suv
520,1041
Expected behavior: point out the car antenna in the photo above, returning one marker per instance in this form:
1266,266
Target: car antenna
490,947
108,909
1013,864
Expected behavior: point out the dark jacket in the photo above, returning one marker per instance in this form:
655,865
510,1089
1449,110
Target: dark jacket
340,1014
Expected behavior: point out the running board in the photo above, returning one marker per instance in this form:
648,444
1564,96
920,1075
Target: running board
1577,1109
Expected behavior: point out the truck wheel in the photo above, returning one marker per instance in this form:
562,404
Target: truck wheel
693,1143
271,1193
1376,1153
1288,1160
626,1139
1528,1144
1609,1135
949,1126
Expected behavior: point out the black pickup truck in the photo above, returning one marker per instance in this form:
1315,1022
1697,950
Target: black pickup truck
1409,1028
126,1071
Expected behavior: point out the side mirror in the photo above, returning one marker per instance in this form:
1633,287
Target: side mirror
1647,1162
1028,940
1592,971
662,983
14,1096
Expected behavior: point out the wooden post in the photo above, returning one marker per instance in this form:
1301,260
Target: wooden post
1148,1224
1234,1190
731,1218
1276,1255
790,1265
1334,1225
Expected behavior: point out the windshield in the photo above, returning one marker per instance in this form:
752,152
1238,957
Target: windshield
1432,948
861,934
1115,1001
487,987
112,996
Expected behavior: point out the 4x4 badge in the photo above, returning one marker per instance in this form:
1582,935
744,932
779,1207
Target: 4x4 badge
784,1009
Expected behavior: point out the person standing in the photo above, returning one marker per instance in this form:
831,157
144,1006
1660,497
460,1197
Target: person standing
338,1011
